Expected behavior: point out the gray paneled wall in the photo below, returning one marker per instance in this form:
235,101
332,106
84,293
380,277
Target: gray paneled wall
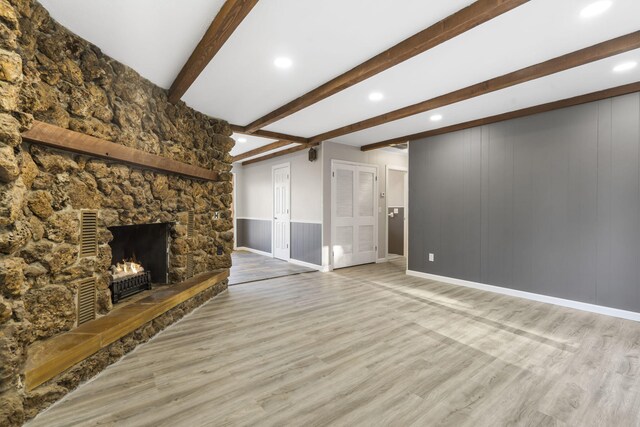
306,242
548,204
254,234
306,238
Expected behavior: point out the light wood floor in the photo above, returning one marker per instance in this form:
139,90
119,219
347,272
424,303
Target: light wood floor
370,346
249,267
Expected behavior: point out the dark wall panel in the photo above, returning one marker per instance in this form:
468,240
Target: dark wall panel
306,242
548,204
395,231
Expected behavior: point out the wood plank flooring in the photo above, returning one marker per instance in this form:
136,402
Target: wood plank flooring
369,346
249,267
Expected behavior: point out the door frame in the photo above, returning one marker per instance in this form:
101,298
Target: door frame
273,210
376,206
406,208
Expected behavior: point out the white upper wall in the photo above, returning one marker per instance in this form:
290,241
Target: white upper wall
395,188
254,189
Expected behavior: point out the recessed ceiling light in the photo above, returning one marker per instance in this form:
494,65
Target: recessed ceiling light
376,96
283,62
436,117
595,9
625,66
241,140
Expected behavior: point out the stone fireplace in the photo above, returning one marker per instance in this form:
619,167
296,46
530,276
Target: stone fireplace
48,265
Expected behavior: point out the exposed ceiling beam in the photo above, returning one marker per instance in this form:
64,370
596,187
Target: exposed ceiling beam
278,154
543,108
224,24
552,66
268,134
465,19
260,150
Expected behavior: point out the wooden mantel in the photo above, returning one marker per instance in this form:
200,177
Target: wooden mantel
68,140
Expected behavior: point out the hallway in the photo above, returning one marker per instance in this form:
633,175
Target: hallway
250,267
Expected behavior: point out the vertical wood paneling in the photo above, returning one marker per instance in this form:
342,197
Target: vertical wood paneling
306,242
548,204
621,288
254,234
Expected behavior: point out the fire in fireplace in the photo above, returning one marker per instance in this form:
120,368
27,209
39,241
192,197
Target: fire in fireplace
139,258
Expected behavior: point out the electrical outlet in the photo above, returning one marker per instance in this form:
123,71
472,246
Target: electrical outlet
432,257
216,215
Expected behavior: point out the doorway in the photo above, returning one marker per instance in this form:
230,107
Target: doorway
354,213
397,225
281,211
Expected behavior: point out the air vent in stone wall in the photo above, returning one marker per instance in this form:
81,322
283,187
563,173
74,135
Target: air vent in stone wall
88,233
190,265
190,260
86,300
190,224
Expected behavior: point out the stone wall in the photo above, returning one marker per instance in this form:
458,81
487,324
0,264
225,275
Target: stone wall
52,75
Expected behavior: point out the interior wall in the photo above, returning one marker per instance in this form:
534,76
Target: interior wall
255,189
380,158
395,188
254,205
548,204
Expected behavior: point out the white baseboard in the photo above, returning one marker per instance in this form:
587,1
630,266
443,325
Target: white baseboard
255,251
615,312
320,268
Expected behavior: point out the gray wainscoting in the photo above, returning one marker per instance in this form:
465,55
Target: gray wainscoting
254,234
306,242
548,204
306,238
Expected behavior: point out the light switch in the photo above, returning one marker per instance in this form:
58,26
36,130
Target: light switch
395,210
432,258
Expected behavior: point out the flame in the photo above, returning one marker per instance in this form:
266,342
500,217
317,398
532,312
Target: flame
126,268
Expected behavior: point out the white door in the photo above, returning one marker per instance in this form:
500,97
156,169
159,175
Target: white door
281,209
354,217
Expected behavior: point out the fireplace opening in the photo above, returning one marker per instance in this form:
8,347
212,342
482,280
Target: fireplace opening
139,257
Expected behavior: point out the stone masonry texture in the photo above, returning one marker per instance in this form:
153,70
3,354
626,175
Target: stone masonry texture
49,74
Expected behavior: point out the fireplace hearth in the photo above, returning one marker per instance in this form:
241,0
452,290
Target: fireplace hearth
139,258
129,285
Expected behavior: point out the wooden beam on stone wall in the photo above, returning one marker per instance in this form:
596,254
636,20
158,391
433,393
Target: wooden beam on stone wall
269,134
260,150
565,62
64,139
543,108
463,20
279,153
224,24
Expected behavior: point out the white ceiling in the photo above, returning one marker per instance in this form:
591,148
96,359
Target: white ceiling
251,143
323,38
326,38
532,33
567,84
154,37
